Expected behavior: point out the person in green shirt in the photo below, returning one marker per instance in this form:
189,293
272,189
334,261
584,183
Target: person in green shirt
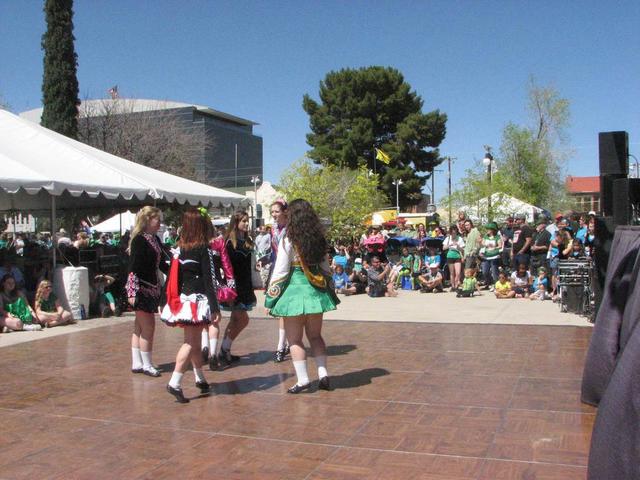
490,255
406,261
472,243
15,311
48,308
469,284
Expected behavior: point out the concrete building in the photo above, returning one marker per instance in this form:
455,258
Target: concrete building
227,153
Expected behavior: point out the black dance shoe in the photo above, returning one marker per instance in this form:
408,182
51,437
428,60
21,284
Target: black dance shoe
203,386
299,388
280,355
226,358
151,372
323,384
287,350
214,364
177,392
205,354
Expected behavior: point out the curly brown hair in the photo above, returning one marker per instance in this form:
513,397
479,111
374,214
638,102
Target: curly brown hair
306,232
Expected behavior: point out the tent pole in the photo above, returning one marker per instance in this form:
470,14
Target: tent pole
53,235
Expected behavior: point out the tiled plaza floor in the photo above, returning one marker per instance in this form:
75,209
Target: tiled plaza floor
411,401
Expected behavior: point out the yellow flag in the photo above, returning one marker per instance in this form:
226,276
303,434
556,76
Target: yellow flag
383,157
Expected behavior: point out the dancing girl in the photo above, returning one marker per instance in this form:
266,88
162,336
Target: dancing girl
279,214
191,297
240,249
143,286
301,290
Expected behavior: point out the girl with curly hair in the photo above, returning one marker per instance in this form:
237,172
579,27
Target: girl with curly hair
301,290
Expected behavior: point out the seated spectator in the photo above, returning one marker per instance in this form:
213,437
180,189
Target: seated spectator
340,279
406,266
374,244
102,300
502,288
4,241
14,305
48,308
63,238
340,258
358,278
469,284
9,268
521,281
577,249
82,240
540,286
379,282
431,281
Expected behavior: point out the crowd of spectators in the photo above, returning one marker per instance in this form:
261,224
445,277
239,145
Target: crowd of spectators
512,260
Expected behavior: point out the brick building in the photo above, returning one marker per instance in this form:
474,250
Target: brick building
585,193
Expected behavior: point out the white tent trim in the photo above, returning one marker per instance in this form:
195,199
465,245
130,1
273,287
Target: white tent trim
35,160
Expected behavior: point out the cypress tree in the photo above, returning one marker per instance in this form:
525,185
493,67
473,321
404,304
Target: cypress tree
60,83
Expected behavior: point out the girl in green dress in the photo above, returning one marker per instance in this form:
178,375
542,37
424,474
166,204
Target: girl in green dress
15,311
301,290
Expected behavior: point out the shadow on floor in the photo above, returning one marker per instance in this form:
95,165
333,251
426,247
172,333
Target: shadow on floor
358,378
249,384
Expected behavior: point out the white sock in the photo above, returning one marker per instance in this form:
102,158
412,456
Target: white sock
136,359
204,339
146,360
213,344
176,379
282,338
226,344
199,374
321,362
301,371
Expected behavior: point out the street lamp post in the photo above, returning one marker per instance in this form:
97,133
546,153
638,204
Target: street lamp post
397,183
255,179
488,162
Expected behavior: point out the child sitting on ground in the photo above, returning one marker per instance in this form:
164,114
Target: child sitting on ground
540,286
340,279
16,309
48,308
503,286
103,300
469,284
521,282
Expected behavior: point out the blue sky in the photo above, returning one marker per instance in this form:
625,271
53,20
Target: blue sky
256,59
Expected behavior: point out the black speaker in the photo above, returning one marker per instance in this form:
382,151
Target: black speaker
607,192
604,230
626,199
614,153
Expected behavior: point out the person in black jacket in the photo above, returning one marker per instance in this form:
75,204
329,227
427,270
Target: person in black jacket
143,286
191,297
240,249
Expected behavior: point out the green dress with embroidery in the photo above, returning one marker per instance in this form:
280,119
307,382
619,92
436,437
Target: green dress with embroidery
298,289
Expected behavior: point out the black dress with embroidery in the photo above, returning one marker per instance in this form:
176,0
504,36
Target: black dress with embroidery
143,283
240,257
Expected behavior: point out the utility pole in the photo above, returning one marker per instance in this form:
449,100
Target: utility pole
449,174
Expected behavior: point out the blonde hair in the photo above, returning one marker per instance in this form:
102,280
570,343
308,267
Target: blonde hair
40,291
143,217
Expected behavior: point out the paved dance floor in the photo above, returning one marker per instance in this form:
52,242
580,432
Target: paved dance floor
411,401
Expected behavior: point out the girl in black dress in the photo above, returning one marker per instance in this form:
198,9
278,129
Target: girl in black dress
191,297
240,249
143,286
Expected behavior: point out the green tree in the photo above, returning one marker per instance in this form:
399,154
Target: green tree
373,107
60,83
342,196
531,160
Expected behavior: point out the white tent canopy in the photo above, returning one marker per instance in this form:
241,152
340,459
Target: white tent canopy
118,223
38,163
502,205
